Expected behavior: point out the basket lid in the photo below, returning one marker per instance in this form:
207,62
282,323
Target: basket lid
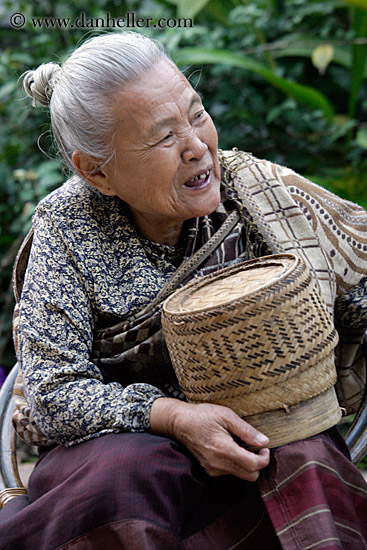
226,286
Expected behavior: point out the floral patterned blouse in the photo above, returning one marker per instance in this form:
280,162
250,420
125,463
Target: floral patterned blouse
88,267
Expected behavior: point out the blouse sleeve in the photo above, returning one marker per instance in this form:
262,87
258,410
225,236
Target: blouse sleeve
351,307
64,388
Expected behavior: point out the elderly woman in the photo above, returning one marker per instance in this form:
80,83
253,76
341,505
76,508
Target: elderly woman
125,461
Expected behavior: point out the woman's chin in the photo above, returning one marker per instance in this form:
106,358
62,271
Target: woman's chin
206,205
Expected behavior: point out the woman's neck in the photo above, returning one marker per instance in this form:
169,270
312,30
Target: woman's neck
158,231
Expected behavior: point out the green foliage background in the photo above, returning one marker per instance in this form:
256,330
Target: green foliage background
284,79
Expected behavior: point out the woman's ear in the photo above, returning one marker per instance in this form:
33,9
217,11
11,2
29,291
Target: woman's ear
89,169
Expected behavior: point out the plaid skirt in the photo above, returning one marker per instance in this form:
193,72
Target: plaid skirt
138,491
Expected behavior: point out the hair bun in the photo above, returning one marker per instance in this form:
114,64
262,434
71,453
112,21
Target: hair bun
39,84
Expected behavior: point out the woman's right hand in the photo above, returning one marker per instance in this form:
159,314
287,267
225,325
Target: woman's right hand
207,431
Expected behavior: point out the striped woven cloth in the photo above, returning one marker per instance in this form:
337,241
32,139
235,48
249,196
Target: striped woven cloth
315,499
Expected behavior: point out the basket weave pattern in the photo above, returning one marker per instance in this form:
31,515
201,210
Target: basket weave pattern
266,350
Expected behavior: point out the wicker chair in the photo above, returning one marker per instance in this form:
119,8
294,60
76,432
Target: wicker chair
11,485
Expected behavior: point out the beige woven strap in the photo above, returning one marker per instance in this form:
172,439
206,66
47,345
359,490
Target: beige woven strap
6,495
194,261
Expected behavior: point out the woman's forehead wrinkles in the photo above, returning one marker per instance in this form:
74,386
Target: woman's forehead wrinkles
161,98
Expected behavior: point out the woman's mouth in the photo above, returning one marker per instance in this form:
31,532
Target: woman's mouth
199,181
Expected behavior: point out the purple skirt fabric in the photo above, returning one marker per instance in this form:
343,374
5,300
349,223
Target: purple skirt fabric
137,491
133,491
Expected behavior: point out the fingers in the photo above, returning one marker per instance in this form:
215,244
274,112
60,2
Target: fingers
246,464
231,458
246,468
246,432
207,431
226,457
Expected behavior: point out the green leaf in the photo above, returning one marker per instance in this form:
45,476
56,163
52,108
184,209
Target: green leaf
7,89
47,167
361,138
49,181
301,49
21,57
303,94
357,3
288,104
189,8
219,10
359,57
342,126
341,56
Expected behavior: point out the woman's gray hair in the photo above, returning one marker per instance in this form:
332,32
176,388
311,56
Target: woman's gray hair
82,92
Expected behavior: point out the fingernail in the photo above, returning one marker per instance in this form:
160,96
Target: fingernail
262,439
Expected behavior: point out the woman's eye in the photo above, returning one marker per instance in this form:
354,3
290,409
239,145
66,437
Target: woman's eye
166,138
200,115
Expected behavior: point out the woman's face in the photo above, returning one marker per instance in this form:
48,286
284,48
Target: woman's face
166,167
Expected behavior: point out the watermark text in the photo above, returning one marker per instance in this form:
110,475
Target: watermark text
129,21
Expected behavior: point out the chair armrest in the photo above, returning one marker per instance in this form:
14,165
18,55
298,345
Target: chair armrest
10,481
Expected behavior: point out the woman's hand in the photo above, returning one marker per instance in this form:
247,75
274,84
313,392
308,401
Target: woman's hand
206,430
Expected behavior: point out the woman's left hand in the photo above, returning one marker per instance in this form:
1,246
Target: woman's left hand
207,431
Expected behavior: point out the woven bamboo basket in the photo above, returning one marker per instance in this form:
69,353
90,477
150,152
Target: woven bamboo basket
257,337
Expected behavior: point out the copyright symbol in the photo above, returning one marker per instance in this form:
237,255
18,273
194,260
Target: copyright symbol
17,20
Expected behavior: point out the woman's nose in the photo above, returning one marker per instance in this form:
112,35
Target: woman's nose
194,148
